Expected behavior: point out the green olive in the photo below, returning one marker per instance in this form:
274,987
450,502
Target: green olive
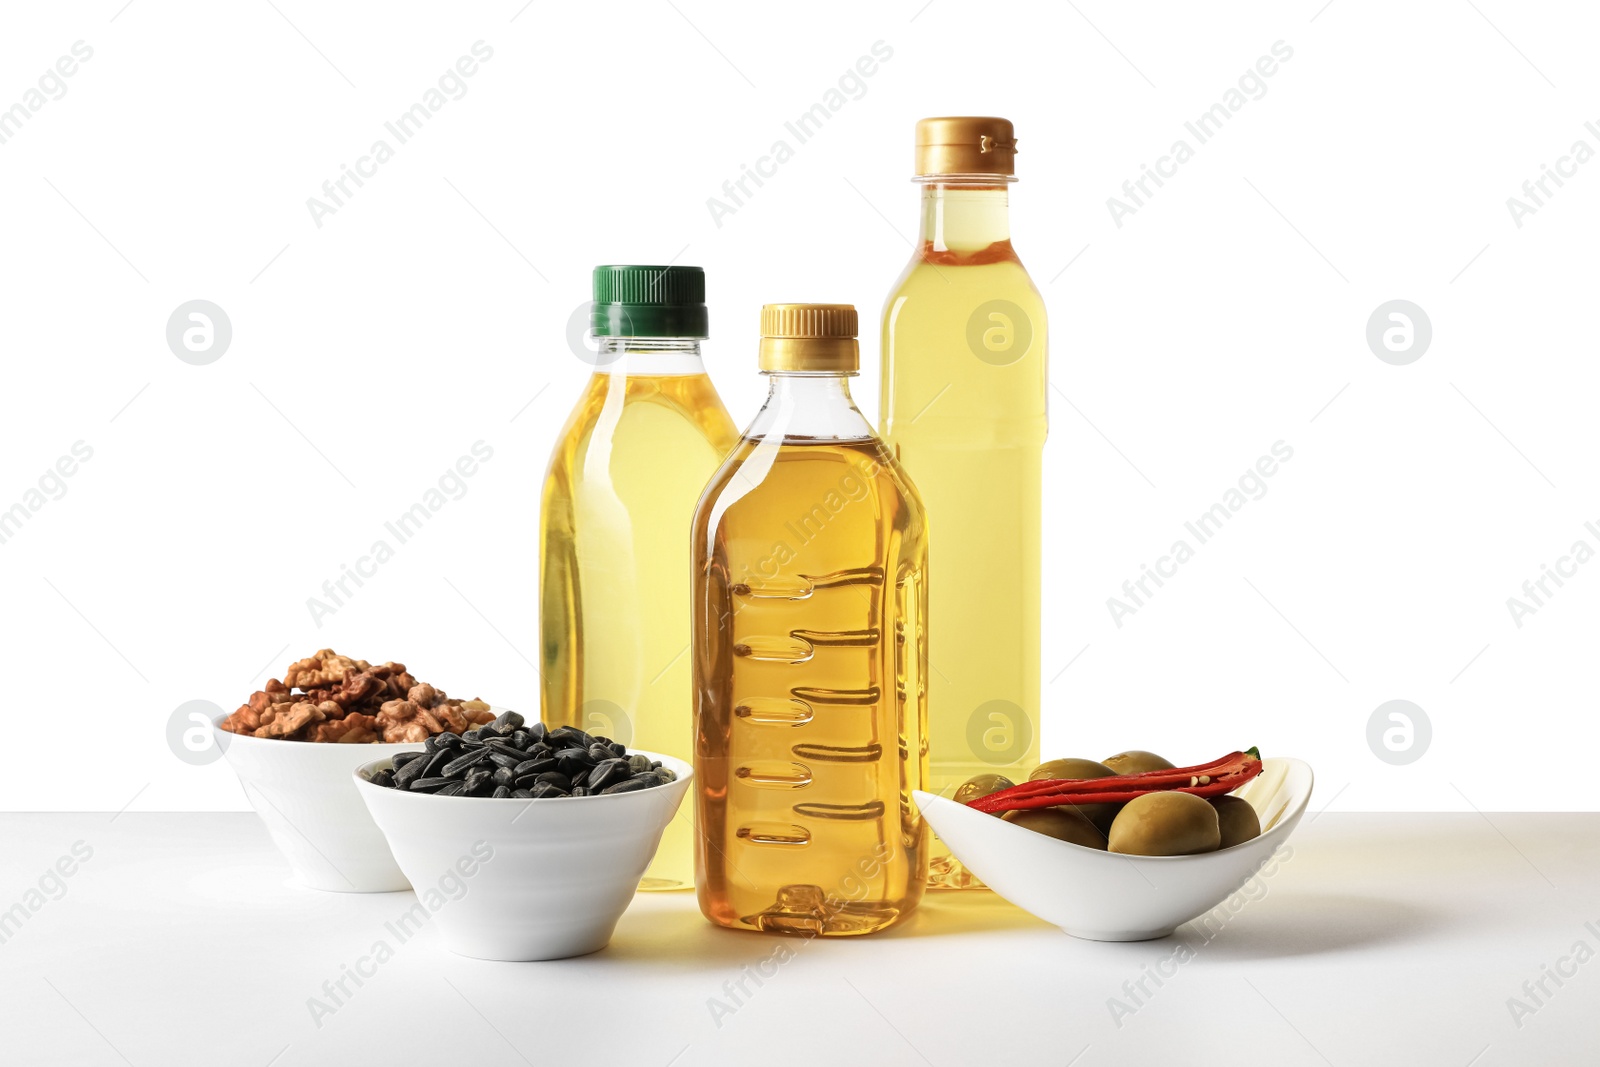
1063,824
1166,824
1099,814
981,785
1237,819
1136,761
1070,768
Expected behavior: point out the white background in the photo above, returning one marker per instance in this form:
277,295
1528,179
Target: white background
430,312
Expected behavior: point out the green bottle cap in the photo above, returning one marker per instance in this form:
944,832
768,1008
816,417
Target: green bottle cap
632,301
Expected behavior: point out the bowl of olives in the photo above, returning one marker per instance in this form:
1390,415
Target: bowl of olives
1147,848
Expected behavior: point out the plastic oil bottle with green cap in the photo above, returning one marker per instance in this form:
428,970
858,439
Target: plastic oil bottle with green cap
810,655
641,443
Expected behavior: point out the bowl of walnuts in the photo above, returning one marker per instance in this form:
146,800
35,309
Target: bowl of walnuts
295,742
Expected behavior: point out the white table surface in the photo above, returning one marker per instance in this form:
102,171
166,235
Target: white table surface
1385,939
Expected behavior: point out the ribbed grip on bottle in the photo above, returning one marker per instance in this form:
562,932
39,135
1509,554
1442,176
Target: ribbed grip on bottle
814,338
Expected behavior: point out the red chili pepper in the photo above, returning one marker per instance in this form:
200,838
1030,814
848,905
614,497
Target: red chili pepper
1203,780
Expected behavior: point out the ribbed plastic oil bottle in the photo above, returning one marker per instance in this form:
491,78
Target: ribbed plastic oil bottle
810,566
644,438
963,408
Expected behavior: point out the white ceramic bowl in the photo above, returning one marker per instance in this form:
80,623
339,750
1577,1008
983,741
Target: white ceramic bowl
303,792
524,879
1109,897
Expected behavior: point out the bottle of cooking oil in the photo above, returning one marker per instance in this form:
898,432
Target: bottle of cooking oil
811,583
963,408
647,433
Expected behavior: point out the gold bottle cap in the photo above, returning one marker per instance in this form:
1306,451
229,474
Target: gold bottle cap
810,337
966,145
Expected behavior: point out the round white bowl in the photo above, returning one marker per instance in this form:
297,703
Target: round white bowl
303,792
1105,896
524,879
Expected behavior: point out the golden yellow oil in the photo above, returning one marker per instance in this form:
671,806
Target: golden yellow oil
614,570
963,407
811,586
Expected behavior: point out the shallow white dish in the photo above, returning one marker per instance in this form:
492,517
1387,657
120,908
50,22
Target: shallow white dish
1105,896
524,879
303,792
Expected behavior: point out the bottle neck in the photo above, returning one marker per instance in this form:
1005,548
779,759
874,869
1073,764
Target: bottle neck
648,355
964,216
809,406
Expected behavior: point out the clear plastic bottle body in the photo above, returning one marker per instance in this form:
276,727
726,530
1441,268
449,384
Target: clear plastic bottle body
810,572
621,488
963,406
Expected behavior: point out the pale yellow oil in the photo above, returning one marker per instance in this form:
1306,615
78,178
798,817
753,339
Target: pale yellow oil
614,570
963,408
811,586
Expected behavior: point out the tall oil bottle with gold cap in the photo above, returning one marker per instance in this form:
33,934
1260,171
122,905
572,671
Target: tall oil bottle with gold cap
810,570
963,408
